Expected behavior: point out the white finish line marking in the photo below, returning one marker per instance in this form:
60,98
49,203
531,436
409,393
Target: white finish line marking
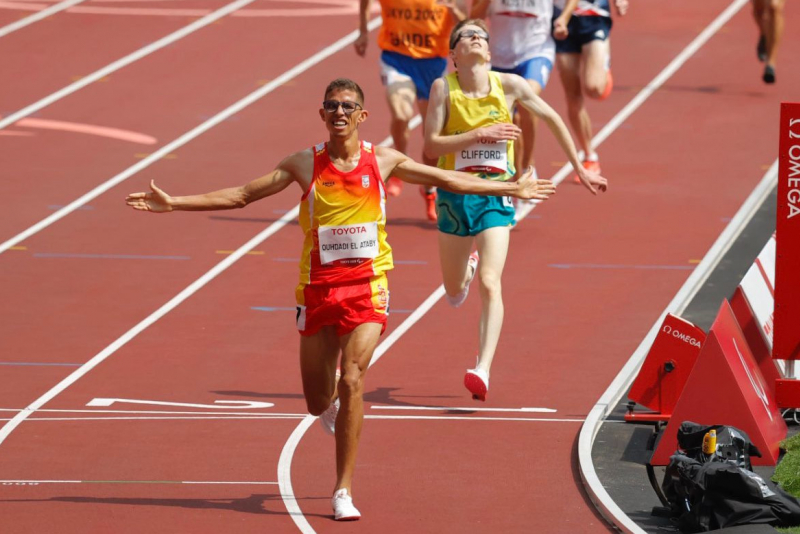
297,416
218,404
469,418
150,412
463,409
203,482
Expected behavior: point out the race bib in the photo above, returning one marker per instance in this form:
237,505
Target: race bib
346,242
484,156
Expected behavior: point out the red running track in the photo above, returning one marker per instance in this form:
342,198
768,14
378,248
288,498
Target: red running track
585,279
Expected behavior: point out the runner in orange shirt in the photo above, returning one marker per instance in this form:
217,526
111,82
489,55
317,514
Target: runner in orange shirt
413,41
343,295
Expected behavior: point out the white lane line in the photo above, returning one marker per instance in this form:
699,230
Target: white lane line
462,409
468,418
189,290
290,416
152,318
623,380
185,138
636,102
146,412
124,62
36,17
165,418
202,482
652,87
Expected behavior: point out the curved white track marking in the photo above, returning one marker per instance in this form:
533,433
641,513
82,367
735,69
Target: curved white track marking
52,10
125,61
623,380
616,121
188,136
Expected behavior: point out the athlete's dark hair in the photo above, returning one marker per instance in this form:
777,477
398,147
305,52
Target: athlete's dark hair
480,23
347,84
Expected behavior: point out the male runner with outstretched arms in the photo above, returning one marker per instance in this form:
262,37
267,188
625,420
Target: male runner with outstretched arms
413,42
343,295
470,129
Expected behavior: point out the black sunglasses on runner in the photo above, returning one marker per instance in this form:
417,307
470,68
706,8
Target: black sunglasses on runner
469,34
348,107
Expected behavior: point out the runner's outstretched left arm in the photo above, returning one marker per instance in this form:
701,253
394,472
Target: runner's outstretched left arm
401,166
521,90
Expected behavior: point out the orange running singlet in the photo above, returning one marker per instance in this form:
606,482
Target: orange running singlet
343,217
415,28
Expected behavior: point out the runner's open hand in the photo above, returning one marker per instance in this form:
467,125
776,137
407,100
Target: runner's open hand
361,43
534,189
156,201
593,181
560,30
502,131
621,6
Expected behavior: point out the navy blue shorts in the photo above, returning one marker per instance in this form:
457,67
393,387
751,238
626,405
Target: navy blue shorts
583,30
423,72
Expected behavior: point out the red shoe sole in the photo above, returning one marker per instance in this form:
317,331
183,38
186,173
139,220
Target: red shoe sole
475,386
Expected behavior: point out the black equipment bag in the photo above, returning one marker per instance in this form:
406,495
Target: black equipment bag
712,491
733,445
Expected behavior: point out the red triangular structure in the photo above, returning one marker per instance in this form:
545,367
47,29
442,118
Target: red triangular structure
726,387
661,379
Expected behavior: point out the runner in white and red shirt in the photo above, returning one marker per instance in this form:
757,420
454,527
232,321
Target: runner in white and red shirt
583,54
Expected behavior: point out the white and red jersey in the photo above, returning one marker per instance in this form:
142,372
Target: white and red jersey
521,30
343,217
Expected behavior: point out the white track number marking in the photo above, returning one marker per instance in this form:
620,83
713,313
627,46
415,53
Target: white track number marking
218,404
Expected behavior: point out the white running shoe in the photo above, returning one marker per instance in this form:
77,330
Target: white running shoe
458,300
328,418
343,509
477,382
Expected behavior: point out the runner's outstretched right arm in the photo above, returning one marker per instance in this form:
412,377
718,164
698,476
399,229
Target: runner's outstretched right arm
158,201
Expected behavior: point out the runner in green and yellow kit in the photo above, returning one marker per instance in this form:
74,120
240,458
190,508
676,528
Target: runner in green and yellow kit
469,128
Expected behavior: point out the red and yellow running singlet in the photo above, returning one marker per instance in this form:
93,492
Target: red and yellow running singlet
415,28
343,217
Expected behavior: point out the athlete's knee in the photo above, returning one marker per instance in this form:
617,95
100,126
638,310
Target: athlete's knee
401,108
595,89
352,383
317,405
490,284
399,123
